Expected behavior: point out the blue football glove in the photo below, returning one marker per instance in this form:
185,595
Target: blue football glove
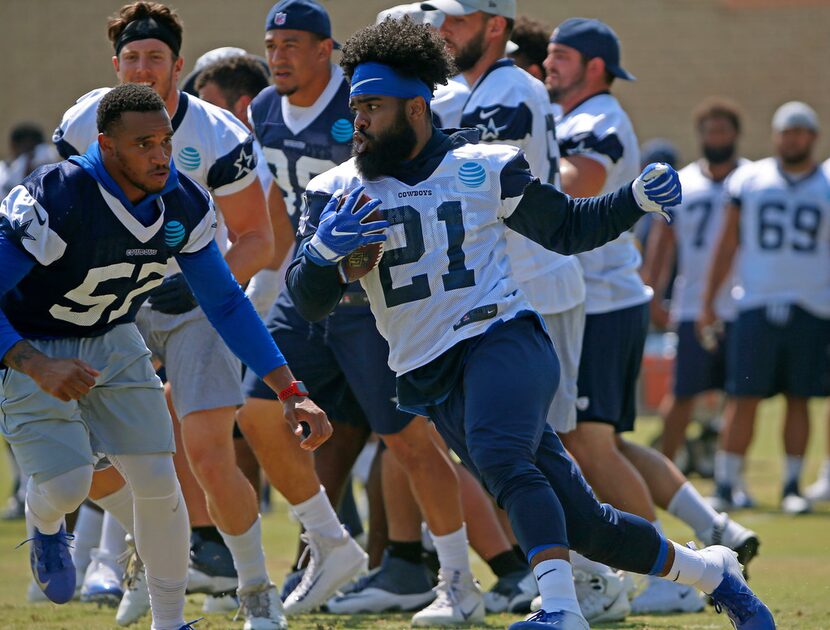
657,189
342,231
173,296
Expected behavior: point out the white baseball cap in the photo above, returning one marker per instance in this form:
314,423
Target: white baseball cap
414,11
506,8
793,115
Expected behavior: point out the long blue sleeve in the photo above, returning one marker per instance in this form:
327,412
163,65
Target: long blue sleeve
315,290
229,310
15,265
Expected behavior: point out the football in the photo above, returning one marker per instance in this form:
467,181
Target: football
362,260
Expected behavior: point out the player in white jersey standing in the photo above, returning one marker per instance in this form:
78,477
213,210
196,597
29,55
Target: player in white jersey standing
212,146
780,342
465,343
600,150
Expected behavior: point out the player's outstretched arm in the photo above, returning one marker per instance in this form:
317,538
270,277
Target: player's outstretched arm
312,279
570,226
232,314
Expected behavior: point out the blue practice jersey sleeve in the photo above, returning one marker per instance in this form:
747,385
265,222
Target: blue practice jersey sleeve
315,290
15,265
229,310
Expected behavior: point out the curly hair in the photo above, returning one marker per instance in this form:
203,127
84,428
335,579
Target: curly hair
242,75
140,10
718,107
129,97
413,50
531,37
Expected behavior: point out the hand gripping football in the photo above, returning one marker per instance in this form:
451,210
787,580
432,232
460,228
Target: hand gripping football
362,260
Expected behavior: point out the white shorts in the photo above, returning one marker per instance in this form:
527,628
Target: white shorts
566,330
123,414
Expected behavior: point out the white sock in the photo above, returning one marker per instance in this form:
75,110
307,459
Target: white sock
248,555
452,550
689,507
87,533
728,467
556,586
119,507
792,469
318,516
825,469
578,561
690,567
167,603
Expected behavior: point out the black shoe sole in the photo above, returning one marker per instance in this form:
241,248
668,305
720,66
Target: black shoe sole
746,552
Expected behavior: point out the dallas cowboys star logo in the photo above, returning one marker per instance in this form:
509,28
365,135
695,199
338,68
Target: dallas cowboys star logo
490,131
244,163
21,229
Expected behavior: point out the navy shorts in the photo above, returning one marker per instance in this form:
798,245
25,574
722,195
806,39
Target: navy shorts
697,370
343,362
779,350
612,350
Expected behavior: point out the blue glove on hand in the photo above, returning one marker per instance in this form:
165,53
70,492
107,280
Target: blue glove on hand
657,189
173,296
342,231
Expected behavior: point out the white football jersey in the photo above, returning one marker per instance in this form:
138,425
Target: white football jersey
509,106
599,129
210,145
697,224
444,276
784,253
448,103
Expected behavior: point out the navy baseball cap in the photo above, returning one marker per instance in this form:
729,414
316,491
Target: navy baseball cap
300,15
593,39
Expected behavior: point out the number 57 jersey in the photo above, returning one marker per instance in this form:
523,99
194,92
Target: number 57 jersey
444,275
784,254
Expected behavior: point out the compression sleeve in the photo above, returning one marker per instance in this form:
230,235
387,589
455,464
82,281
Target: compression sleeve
314,289
15,265
569,226
229,310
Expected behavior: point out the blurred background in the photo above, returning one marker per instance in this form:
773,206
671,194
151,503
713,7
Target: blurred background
761,53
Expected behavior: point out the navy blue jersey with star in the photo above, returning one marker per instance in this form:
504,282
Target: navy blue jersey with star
94,262
301,143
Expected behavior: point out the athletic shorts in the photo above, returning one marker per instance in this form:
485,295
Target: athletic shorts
612,350
343,362
696,370
202,371
780,349
566,330
123,414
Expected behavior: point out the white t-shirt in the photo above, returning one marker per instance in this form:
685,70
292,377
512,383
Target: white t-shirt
784,253
448,103
509,106
599,129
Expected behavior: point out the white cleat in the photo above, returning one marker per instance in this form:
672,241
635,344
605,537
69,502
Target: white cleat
629,584
102,581
261,607
663,596
820,490
601,596
136,601
458,600
334,562
796,504
220,604
730,534
536,604
200,582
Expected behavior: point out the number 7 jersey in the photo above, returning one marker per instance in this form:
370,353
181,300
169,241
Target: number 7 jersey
784,253
444,275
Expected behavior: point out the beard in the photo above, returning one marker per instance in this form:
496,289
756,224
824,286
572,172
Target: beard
468,56
386,149
793,158
559,92
718,155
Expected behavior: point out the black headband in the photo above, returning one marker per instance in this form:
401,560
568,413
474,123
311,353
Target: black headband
148,28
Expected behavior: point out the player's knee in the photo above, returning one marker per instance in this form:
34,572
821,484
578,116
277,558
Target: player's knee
67,491
505,478
150,476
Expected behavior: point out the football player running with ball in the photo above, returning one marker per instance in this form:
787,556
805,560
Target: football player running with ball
467,348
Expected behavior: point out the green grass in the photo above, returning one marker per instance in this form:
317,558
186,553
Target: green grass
792,572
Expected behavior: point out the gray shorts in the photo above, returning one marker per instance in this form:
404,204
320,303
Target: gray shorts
124,413
202,371
566,330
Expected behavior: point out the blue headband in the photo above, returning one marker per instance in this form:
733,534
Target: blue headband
382,80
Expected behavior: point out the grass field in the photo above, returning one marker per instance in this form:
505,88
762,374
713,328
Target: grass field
792,572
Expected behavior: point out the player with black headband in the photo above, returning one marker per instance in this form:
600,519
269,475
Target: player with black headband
213,147
467,347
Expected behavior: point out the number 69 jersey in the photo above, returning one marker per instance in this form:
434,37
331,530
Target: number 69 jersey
784,254
444,275
95,262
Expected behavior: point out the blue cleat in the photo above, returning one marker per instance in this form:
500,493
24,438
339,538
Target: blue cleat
52,565
189,625
558,619
742,606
